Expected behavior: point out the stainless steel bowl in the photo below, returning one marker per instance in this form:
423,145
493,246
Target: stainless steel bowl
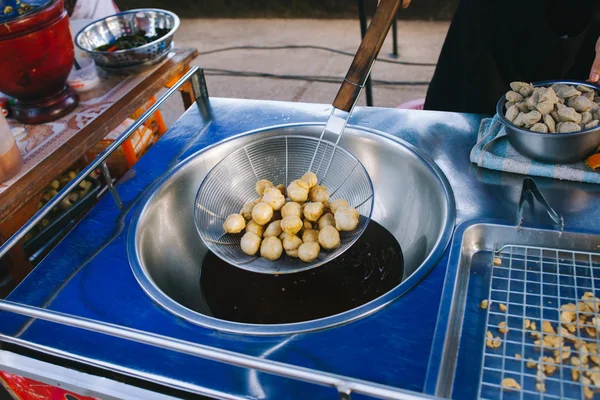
109,29
552,148
415,206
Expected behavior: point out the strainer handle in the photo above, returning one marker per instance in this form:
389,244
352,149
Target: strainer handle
367,53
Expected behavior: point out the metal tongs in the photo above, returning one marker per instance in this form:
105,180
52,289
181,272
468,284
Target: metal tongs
530,188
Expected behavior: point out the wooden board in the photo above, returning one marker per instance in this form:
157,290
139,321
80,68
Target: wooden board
49,149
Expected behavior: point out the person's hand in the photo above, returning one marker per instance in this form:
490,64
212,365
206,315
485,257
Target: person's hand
405,3
595,70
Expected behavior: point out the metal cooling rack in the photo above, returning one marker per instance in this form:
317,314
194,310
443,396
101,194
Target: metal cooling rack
533,283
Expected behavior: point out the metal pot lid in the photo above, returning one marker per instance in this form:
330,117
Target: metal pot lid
13,9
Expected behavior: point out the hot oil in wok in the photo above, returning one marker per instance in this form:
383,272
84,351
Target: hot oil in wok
370,268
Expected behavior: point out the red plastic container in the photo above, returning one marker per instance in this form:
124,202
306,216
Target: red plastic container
37,56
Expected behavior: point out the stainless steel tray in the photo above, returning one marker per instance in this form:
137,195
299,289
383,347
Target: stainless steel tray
533,272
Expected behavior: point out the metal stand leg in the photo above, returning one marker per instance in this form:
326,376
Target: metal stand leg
362,16
200,92
395,38
110,185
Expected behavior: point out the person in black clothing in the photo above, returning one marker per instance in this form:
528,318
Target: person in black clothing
491,43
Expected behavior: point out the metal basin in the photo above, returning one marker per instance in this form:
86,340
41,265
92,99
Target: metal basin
413,201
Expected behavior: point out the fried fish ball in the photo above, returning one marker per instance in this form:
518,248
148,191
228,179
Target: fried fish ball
247,210
234,223
568,114
550,123
298,191
511,113
310,235
580,103
283,236
291,245
307,224
291,209
567,127
313,211
262,185
329,238
326,220
531,118
271,248
252,226
273,229
274,198
281,189
513,96
319,194
250,243
334,205
539,127
309,251
291,224
262,213
310,178
346,218
523,88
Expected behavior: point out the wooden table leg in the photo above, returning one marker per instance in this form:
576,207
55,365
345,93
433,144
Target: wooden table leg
16,259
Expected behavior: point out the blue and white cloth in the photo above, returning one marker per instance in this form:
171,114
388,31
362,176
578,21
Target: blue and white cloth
493,151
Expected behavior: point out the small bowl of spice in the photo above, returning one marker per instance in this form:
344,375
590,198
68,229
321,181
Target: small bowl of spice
136,38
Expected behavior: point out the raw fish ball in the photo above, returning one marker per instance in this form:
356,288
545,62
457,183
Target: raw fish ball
250,243
235,223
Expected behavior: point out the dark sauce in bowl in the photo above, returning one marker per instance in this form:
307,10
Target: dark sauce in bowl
371,267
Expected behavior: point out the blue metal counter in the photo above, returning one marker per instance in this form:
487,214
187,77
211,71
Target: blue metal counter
88,274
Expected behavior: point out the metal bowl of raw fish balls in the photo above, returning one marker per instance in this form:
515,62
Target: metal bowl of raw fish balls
556,122
296,221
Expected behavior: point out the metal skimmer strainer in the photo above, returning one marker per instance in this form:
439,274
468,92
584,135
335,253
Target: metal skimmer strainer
282,159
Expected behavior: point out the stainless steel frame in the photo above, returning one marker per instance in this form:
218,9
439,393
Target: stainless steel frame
101,158
345,386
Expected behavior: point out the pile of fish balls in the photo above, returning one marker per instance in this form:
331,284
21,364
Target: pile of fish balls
560,108
299,219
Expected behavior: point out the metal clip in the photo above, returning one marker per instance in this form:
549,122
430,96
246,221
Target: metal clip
529,186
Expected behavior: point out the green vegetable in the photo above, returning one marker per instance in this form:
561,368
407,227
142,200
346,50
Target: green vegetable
126,42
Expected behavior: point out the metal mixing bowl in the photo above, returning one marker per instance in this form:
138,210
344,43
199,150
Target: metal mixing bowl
552,148
109,29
